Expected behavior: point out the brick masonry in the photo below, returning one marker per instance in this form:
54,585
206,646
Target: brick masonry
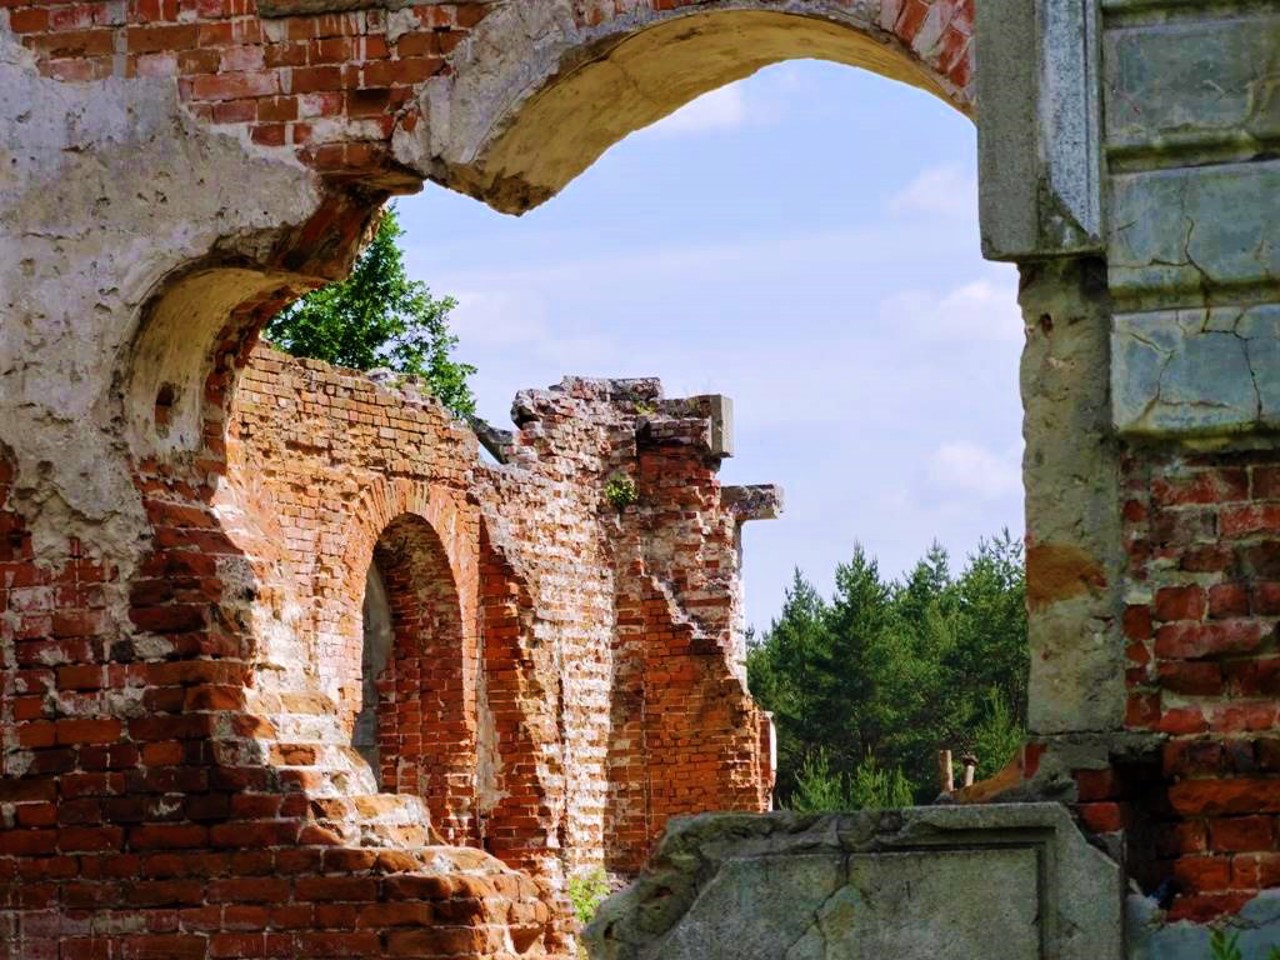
586,650
180,626
186,786
335,87
1203,533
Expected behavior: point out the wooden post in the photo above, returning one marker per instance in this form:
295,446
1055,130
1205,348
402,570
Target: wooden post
945,774
970,768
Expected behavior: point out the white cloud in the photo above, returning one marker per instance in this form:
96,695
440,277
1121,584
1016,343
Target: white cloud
961,469
722,109
984,310
939,192
496,317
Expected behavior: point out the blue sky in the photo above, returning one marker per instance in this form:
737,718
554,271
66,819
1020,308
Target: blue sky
805,241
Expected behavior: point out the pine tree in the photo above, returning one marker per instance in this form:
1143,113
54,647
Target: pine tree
866,687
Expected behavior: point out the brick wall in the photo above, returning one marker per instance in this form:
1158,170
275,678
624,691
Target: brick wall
527,562
1203,534
1188,794
179,773
333,87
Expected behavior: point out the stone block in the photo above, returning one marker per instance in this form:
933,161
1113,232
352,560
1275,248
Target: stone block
721,425
1179,235
1003,882
1196,372
1040,184
1201,85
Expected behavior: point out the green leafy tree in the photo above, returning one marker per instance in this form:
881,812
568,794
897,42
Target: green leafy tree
378,317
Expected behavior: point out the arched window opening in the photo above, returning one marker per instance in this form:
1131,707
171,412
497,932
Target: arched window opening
933,334
376,649
416,726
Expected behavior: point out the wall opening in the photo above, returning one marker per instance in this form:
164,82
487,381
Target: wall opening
563,128
417,719
377,639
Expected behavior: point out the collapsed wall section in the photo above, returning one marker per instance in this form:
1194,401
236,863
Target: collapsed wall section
635,579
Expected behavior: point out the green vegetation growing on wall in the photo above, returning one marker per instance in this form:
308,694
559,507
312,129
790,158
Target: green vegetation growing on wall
867,686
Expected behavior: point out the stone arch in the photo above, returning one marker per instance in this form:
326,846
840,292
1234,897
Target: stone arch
424,717
568,86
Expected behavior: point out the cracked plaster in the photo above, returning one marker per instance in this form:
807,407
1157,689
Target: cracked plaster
1197,371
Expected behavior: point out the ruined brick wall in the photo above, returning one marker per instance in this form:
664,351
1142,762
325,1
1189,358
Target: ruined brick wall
150,806
327,474
1187,796
685,734
547,603
191,788
1151,581
179,627
653,698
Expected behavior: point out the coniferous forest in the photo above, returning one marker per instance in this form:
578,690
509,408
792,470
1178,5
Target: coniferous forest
867,685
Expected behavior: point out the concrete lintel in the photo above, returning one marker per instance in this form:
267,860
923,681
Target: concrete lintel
1040,167
762,501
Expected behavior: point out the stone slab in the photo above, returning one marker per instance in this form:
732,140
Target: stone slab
1003,882
1181,235
1196,372
1039,144
1185,84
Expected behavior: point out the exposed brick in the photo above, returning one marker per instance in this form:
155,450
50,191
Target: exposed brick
1194,640
1235,834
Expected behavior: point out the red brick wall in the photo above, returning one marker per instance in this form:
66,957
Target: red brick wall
1189,794
178,774
685,733
151,810
560,589
1203,534
333,87
425,712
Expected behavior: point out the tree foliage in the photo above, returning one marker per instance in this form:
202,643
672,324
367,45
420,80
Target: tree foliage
867,686
378,317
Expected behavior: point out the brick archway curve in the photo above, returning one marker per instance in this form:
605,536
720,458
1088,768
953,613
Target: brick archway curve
514,129
456,535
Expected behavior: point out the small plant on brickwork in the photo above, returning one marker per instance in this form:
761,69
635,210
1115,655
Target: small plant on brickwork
621,491
586,892
1224,946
